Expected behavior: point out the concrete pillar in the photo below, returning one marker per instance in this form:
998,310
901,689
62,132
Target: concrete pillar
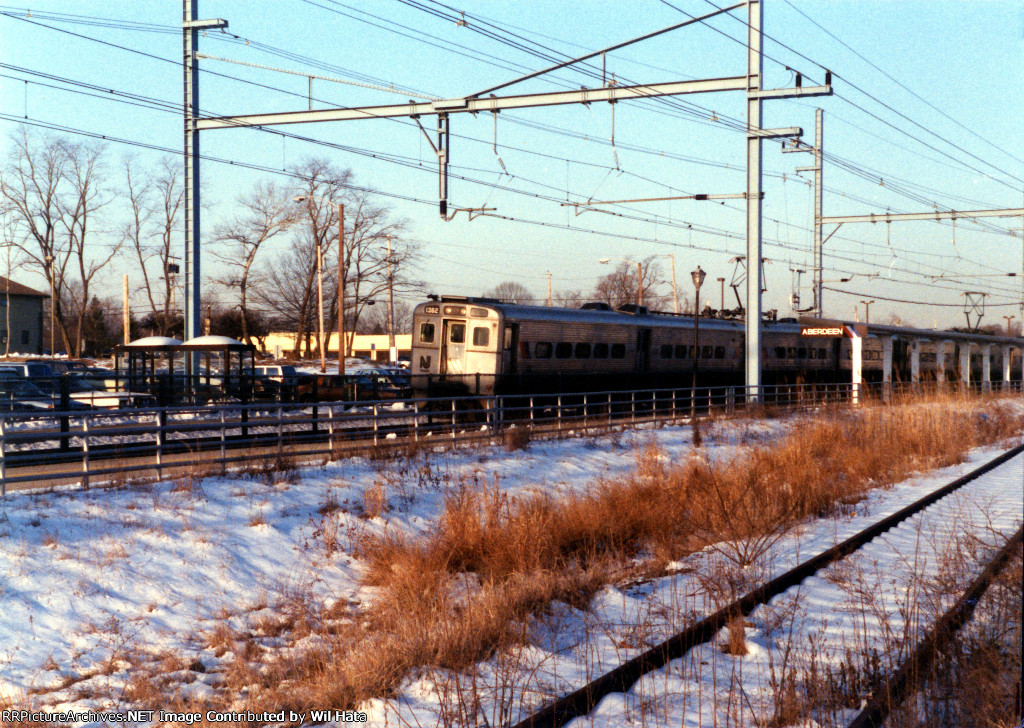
986,367
915,360
886,366
1007,354
940,361
965,363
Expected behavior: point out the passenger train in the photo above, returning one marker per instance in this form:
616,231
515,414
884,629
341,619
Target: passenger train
464,345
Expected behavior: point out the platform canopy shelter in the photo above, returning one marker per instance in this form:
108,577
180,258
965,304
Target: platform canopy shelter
149,365
223,369
203,369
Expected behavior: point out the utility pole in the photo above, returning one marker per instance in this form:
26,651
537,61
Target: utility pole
49,263
639,284
392,349
721,284
320,304
867,311
342,349
126,313
549,289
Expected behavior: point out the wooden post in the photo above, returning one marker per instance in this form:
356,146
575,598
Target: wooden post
127,315
342,349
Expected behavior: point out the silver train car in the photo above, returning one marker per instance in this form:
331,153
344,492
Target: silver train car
465,345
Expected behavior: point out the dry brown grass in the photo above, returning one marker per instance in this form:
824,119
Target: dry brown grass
465,592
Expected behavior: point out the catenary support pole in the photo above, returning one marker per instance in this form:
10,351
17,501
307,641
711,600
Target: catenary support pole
190,28
819,307
755,16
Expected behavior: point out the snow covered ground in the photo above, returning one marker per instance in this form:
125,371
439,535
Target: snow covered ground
96,586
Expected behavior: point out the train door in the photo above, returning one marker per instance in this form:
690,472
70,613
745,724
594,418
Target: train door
510,357
643,350
453,347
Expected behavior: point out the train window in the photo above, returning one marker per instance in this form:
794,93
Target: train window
426,333
680,351
780,352
601,351
542,350
812,353
801,353
666,351
705,352
481,336
719,352
563,350
583,350
457,333
822,354
618,351
791,352
524,350
478,312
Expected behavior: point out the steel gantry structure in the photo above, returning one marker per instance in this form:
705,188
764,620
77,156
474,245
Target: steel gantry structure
487,101
820,219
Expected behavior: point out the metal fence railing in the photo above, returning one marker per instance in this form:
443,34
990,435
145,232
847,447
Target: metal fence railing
90,447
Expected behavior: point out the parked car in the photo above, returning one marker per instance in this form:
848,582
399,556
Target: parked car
29,369
377,386
326,388
281,373
276,381
18,394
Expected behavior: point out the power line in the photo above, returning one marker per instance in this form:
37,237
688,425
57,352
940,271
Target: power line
900,84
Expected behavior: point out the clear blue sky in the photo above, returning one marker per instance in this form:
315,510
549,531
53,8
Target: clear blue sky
963,58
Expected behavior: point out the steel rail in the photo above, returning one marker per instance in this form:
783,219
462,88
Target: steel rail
622,678
894,689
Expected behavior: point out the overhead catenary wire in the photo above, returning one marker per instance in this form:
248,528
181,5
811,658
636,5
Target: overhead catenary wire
470,180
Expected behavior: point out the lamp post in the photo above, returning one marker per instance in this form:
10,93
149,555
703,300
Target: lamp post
1008,320
639,277
867,311
698,281
721,305
320,287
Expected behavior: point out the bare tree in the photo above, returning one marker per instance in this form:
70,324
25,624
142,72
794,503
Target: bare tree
54,188
289,286
570,299
266,212
621,285
376,322
369,269
86,197
511,292
154,200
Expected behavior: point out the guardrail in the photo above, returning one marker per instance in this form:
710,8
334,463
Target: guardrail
105,446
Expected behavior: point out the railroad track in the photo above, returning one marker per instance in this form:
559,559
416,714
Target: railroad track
896,686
